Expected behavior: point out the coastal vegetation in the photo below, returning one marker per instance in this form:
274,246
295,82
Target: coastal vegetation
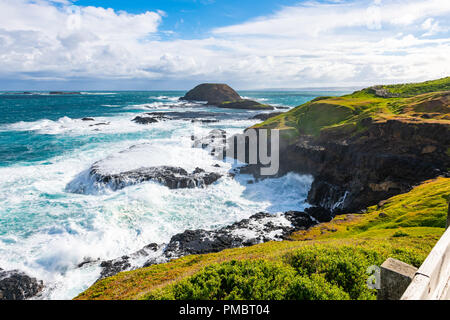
328,261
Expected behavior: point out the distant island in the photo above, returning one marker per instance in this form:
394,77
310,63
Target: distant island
222,96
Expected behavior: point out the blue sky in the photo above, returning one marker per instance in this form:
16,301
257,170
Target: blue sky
176,44
195,18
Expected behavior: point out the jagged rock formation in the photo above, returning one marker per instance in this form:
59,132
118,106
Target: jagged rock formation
16,285
259,228
245,104
172,177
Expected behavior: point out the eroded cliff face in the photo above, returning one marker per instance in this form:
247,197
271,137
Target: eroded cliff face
361,167
388,158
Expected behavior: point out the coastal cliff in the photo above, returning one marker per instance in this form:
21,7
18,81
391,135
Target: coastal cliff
364,148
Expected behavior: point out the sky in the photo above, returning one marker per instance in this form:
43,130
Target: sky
176,44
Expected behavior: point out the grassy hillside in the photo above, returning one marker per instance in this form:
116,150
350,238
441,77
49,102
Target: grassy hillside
328,261
426,102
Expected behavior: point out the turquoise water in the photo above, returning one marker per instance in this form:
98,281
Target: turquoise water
44,145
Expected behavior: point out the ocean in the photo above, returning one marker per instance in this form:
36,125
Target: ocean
46,230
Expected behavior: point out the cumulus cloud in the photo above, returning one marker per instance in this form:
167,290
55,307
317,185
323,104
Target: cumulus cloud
310,44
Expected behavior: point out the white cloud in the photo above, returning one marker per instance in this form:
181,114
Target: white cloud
306,45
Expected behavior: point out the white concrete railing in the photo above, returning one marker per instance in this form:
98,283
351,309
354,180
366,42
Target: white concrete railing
432,280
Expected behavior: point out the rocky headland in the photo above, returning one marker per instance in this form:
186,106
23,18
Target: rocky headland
363,148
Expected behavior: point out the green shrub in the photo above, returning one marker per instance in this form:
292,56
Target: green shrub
237,280
344,267
251,280
315,287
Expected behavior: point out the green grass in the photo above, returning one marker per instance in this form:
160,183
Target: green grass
347,114
328,261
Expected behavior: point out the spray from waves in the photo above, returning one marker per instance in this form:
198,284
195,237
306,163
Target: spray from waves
165,98
50,231
101,125
66,226
165,104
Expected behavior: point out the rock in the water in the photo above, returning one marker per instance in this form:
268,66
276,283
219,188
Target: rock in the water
215,140
100,124
145,120
259,228
212,93
62,92
87,119
149,254
245,104
172,177
16,285
265,116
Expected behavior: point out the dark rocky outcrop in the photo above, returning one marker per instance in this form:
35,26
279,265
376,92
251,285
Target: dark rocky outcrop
112,267
172,177
245,104
259,228
87,119
145,120
16,285
265,116
213,93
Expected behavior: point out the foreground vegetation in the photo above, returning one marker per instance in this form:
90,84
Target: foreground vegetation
328,261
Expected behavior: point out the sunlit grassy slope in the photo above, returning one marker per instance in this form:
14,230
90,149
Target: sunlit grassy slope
328,261
348,113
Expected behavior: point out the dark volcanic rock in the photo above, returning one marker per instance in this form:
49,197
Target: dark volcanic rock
134,260
212,93
88,119
387,159
172,177
259,228
112,267
265,116
145,120
245,104
16,285
354,171
320,214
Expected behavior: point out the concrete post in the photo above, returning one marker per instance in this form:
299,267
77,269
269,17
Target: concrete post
395,278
